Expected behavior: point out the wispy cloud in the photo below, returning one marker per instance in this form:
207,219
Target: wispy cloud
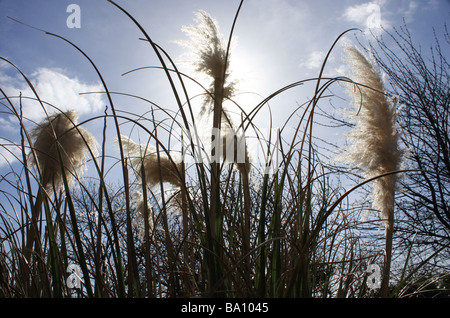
8,153
409,13
314,60
368,15
56,88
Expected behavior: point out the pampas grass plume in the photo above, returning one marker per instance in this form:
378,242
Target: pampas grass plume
146,156
207,44
74,142
210,55
375,139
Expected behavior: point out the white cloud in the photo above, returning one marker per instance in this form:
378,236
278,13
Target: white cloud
8,153
55,88
368,15
314,60
409,13
7,125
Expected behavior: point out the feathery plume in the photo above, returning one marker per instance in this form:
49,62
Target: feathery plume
146,157
375,144
57,133
74,144
207,43
212,59
375,139
210,51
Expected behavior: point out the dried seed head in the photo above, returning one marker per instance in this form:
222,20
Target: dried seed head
74,142
144,158
207,44
374,137
210,51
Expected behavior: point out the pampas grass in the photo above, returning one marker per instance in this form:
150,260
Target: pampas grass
374,139
158,167
151,169
211,58
289,233
59,131
210,53
59,153
374,146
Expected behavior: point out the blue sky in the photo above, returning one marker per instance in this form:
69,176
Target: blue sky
277,42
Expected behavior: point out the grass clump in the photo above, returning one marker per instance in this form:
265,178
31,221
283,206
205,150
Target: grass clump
187,227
